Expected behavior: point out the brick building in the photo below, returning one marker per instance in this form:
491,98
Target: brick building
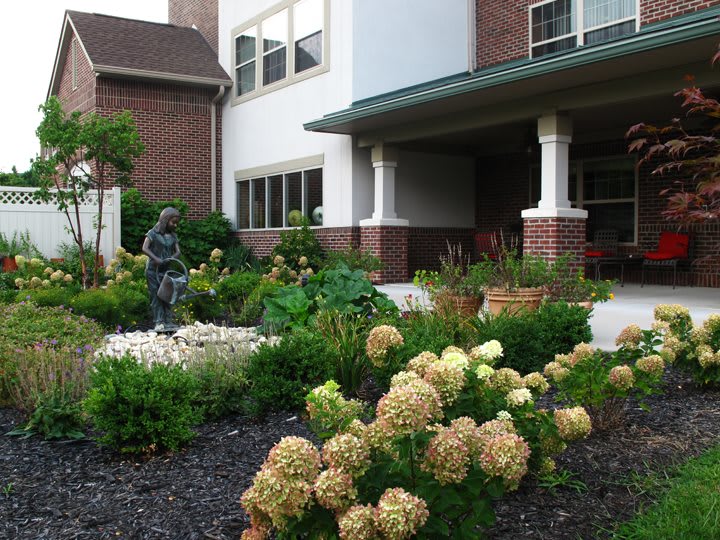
399,126
169,78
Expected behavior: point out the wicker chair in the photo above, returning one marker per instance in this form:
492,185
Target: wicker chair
673,249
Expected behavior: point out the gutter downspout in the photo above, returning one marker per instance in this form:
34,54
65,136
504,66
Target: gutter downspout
213,148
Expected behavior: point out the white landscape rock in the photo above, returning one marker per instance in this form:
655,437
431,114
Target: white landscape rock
184,344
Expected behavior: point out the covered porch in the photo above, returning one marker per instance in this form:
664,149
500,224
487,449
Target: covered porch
632,304
533,149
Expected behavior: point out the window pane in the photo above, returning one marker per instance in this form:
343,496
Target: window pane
258,204
552,20
276,201
307,28
609,179
617,216
554,46
599,12
275,31
313,195
274,66
245,46
609,32
243,208
245,77
294,188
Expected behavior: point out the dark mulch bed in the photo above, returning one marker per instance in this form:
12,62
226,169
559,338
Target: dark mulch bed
78,490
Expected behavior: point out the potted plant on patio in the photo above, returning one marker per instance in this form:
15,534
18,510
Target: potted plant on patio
516,281
9,249
458,287
569,285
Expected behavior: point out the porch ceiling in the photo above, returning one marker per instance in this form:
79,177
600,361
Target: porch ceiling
604,96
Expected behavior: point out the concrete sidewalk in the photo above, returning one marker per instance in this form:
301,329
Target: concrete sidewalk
632,304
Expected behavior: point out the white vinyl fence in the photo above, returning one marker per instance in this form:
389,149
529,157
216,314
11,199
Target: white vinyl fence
49,227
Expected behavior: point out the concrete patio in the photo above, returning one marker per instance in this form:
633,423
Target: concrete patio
632,304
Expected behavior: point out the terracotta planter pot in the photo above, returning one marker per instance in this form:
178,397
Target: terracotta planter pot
587,305
9,264
467,306
57,260
514,301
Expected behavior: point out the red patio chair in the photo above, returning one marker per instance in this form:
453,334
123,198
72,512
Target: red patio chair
673,249
486,245
604,244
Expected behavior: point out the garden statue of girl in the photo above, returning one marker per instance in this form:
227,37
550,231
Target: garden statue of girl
161,244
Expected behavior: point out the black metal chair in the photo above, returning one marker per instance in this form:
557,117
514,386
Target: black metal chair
605,242
674,249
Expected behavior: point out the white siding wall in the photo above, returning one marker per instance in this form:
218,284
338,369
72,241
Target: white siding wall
407,42
433,190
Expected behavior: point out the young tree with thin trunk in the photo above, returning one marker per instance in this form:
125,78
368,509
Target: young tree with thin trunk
83,153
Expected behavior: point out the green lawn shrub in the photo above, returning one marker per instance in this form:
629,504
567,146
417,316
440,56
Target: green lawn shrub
299,242
281,375
119,305
532,339
141,408
51,296
233,291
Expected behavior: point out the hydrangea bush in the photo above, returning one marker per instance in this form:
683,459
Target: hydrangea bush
451,434
603,382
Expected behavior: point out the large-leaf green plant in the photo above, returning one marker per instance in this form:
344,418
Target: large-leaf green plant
83,153
340,290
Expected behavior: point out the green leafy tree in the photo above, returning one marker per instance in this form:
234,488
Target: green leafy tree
83,153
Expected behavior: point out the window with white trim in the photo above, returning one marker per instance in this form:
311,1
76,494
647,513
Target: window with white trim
558,25
606,188
280,200
279,47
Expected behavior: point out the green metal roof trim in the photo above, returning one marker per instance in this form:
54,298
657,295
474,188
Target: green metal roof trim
677,30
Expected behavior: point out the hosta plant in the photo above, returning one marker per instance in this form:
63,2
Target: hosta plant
430,464
603,382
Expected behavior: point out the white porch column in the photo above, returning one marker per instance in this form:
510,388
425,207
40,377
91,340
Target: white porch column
385,161
555,136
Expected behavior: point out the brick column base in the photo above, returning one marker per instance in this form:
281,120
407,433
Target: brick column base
551,237
390,245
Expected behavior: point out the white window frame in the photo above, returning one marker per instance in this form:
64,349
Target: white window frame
579,20
290,76
578,200
74,62
303,166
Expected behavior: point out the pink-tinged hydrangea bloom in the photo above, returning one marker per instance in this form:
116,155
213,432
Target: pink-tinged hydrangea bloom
504,380
347,453
327,400
494,428
421,362
518,397
582,351
379,437
621,377
506,456
294,457
357,428
547,466
456,358
253,534
672,313
564,360
487,353
448,379
401,378
469,433
358,523
552,445
652,365
536,383
555,371
706,357
277,496
399,514
334,489
630,336
379,341
402,411
451,349
573,424
447,458
427,393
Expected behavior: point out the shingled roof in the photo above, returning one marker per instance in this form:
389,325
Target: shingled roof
130,48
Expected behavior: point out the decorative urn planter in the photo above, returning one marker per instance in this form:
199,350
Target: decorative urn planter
586,304
467,306
514,301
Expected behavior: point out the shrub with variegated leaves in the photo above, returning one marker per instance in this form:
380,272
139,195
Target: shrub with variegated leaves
451,434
